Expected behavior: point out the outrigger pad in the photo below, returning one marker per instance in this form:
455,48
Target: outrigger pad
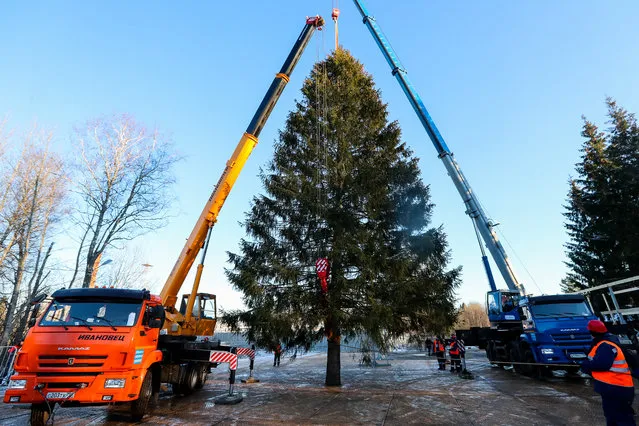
229,399
250,380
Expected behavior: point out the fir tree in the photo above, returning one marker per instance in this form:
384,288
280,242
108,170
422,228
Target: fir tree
603,204
341,185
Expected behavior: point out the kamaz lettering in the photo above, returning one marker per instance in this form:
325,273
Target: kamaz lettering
100,337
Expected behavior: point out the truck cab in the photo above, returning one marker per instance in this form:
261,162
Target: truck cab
556,327
204,311
538,330
503,305
90,346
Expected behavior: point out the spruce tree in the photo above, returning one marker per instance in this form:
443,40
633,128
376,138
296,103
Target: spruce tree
341,185
603,204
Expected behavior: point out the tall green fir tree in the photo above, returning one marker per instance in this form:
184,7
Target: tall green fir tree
344,187
603,204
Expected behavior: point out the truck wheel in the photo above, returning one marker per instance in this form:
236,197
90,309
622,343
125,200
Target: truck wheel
203,373
140,406
490,352
189,382
515,357
39,414
529,369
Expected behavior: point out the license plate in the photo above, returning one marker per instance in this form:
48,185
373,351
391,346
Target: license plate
60,395
577,356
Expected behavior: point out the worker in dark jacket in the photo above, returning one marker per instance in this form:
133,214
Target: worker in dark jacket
277,354
612,378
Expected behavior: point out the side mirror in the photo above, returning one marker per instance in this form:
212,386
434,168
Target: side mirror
155,323
32,322
156,316
522,314
38,299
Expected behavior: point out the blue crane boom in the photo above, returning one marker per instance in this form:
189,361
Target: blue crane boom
534,333
473,207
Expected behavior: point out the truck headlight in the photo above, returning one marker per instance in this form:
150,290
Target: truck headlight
114,383
548,351
17,384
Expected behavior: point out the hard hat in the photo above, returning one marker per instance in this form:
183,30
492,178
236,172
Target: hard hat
596,326
453,336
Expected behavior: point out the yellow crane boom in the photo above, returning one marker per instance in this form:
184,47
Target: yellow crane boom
207,219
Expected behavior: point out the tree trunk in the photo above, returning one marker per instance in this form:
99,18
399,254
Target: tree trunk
23,253
91,270
333,365
13,304
28,309
77,258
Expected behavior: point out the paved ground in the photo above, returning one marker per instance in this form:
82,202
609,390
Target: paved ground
409,391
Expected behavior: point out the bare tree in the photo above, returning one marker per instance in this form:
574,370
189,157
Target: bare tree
124,178
33,203
34,287
8,173
472,315
127,269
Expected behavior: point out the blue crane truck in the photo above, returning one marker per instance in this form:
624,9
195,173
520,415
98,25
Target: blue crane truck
533,333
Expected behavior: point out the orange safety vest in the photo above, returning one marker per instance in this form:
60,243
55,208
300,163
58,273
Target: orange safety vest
619,373
454,349
439,347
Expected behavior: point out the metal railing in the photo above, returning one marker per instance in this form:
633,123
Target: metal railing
7,357
614,312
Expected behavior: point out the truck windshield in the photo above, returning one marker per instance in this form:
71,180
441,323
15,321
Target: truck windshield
561,309
91,313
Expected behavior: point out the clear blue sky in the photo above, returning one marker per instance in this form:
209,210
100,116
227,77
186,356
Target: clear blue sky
506,82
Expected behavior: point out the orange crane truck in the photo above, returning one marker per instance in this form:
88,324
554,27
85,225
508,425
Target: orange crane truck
107,345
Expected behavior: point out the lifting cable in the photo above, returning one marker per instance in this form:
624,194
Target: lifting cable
512,249
321,138
335,15
314,222
318,224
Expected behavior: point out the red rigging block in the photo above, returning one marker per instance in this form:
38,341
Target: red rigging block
315,20
335,14
322,267
321,264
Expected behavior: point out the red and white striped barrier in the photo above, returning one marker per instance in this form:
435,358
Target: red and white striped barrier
246,351
224,357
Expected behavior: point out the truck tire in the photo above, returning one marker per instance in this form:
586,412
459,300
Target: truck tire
203,373
39,414
490,351
516,358
189,382
530,369
140,406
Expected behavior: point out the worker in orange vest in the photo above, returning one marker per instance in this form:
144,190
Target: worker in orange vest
455,355
440,352
607,364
